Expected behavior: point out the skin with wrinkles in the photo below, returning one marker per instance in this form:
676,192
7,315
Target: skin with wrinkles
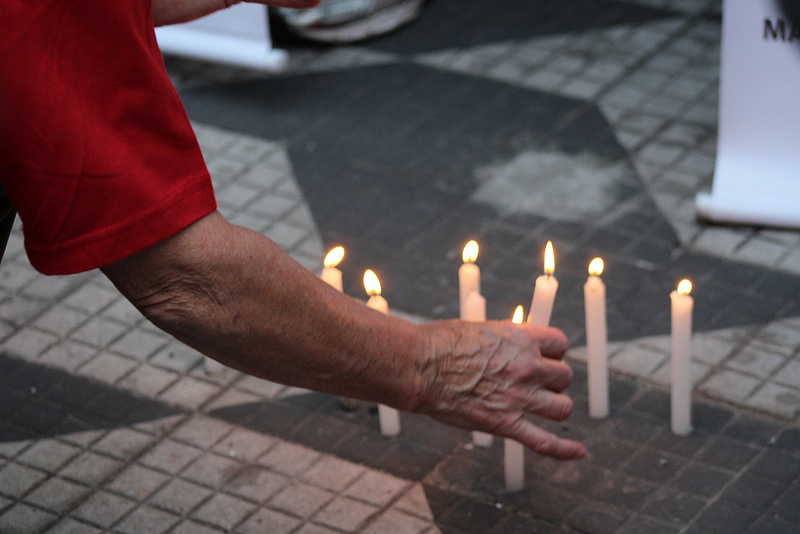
237,297
496,372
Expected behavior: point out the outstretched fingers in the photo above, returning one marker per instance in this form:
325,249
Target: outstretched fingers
546,443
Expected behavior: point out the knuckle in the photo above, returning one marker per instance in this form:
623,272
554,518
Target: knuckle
563,409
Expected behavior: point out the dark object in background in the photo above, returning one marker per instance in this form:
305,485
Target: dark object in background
347,21
791,8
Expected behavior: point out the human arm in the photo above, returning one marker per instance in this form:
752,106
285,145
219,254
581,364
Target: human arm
177,11
237,297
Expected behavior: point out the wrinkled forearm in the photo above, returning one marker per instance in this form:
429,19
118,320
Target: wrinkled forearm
236,296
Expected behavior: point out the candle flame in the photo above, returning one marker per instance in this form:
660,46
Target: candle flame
371,283
334,257
549,258
470,253
685,287
596,267
517,319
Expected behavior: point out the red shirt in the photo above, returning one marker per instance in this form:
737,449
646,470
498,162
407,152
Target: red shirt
96,151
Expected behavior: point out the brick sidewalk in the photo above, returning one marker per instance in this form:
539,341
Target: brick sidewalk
108,425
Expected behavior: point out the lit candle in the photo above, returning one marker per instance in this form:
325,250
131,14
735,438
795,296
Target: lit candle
389,418
594,295
469,276
544,294
514,452
330,273
682,304
475,310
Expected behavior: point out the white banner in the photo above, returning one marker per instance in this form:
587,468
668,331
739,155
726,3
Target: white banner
238,36
757,174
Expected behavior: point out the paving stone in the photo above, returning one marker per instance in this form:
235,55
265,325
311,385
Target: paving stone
122,311
180,496
22,519
29,343
730,385
176,357
595,518
123,443
90,468
674,507
71,526
301,500
701,480
377,488
68,355
396,522
256,483
107,368
777,399
639,524
17,479
289,459
148,380
56,495
224,511
103,509
785,507
308,528
472,515
655,64
138,344
245,445
345,514
415,503
728,454
652,466
266,520
137,482
753,430
201,431
170,456
48,455
147,519
637,360
773,525
189,392
98,332
61,320
758,363
211,470
753,492
724,516
624,491
778,465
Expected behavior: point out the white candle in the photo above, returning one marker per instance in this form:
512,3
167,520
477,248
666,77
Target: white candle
594,295
475,310
330,273
544,294
682,305
513,451
389,418
469,275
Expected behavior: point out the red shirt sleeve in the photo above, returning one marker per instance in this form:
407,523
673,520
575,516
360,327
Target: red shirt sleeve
96,151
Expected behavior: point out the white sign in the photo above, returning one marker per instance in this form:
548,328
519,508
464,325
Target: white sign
757,174
238,36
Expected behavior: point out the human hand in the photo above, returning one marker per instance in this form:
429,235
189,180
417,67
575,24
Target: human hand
489,376
177,11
